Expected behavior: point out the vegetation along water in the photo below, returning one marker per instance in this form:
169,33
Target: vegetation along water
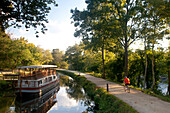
109,30
75,95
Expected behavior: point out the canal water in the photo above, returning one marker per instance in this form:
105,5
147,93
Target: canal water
71,98
163,87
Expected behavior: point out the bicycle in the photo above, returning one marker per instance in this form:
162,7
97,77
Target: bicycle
126,87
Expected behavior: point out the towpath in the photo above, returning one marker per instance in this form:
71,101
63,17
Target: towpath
139,101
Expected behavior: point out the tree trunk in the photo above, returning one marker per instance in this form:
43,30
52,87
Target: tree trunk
126,41
103,60
146,64
126,57
169,82
153,71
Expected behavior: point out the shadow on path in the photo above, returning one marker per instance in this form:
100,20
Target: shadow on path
139,101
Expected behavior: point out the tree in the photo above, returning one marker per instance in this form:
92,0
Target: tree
95,23
74,57
114,70
31,13
128,16
158,28
119,18
168,76
58,59
13,52
162,10
18,52
5,42
47,57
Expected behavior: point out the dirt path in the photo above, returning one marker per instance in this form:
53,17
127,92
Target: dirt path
139,101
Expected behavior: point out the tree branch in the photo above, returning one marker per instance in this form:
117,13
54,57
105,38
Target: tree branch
133,41
121,42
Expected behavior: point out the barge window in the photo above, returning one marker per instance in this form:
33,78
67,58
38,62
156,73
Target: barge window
50,78
45,79
40,81
54,77
26,82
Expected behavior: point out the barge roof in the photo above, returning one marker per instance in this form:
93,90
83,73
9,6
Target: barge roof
37,66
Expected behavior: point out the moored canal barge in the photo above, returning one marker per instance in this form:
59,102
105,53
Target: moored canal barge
36,80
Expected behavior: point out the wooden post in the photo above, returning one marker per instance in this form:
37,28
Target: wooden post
107,87
30,71
3,76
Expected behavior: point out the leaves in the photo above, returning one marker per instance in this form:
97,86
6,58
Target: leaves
18,52
31,13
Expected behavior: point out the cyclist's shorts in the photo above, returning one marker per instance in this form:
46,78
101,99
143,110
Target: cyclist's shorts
127,84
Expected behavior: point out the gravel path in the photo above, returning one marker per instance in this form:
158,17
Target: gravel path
139,101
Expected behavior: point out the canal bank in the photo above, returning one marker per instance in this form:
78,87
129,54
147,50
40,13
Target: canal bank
7,96
103,101
139,101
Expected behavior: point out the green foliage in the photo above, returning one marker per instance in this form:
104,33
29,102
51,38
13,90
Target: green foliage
115,67
7,91
74,57
47,57
109,104
5,87
31,13
104,21
99,75
91,62
104,102
58,59
5,103
18,52
122,22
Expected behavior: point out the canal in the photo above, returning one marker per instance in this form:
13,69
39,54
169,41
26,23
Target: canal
70,98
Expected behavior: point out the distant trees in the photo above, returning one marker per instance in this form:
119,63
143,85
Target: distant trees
18,52
58,59
47,57
74,57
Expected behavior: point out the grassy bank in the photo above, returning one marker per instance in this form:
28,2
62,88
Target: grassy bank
104,102
146,91
7,96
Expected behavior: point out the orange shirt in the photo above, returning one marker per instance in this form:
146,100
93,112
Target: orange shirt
127,81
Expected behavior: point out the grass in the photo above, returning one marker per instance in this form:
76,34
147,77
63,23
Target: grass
99,75
104,102
146,91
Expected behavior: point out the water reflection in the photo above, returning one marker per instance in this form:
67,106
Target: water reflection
37,105
163,86
71,98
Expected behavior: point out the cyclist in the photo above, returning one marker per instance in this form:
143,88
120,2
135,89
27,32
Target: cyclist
127,83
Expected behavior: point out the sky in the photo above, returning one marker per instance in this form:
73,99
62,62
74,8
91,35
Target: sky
60,34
